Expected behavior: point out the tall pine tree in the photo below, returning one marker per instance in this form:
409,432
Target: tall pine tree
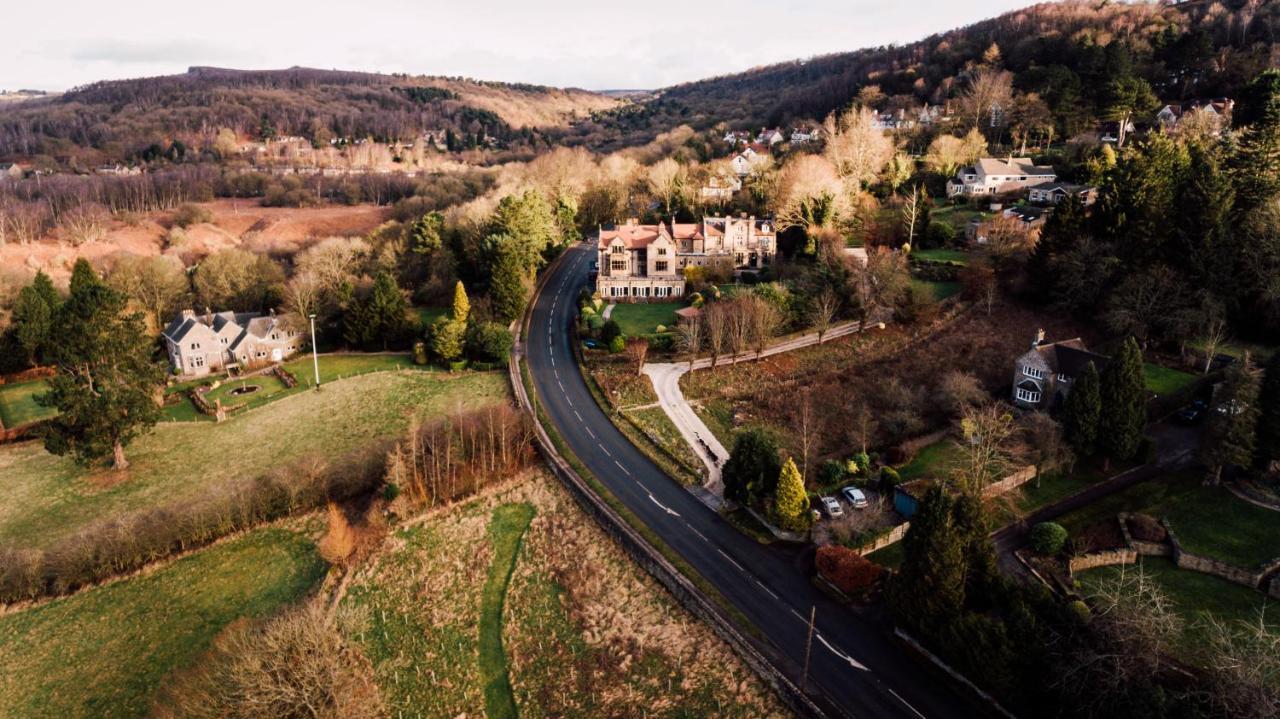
1082,412
1233,421
1124,402
32,323
1268,440
790,503
105,382
1255,168
927,593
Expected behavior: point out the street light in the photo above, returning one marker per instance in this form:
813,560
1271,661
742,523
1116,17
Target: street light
315,360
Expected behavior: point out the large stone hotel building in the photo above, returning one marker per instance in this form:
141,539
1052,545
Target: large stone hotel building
640,263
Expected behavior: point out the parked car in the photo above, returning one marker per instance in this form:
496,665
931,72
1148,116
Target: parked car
832,507
855,497
1192,413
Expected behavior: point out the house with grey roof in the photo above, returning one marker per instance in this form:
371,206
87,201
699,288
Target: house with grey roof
1043,375
1052,193
990,176
201,344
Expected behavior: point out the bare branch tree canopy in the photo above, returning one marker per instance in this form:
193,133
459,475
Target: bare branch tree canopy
637,349
882,282
666,179
823,312
986,433
810,194
157,283
856,148
716,319
689,335
947,153
912,206
986,99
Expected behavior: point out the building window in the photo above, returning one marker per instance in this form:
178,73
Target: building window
197,361
662,251
224,340
1063,379
618,265
1026,395
1032,372
660,266
195,345
617,249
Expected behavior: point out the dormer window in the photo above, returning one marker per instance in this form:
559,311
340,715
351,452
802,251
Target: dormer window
1063,379
616,249
1032,372
662,251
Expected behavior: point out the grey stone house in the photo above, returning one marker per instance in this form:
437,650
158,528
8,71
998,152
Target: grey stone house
214,342
1043,375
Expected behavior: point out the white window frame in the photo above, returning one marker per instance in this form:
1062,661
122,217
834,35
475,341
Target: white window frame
1032,372
1063,379
197,361
1026,395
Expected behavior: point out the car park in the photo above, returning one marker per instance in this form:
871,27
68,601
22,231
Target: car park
855,497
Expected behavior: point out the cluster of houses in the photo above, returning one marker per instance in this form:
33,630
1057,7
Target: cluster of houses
639,263
201,344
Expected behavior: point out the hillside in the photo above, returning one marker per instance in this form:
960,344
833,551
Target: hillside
124,120
1066,51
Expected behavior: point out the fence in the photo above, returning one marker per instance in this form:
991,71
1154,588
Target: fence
1017,479
895,535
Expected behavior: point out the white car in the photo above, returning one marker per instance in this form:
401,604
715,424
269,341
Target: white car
832,507
855,497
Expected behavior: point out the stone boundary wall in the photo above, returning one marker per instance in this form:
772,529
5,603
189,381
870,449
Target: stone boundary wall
1017,479
648,557
895,535
1102,559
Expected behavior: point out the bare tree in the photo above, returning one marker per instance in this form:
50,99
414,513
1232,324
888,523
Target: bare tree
1049,451
1214,337
912,207
823,311
805,427
158,283
689,337
1244,667
85,222
810,193
862,428
637,348
978,279
302,297
666,179
716,318
986,433
739,325
27,221
882,282
947,152
960,392
987,97
763,320
856,147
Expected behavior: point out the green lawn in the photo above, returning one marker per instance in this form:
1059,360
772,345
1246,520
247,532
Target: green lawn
340,366
942,255
1259,353
957,216
891,556
939,290
1207,520
1194,595
267,384
1164,381
44,498
934,461
643,319
505,534
18,403
103,652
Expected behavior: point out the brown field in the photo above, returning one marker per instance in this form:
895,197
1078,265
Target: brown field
236,223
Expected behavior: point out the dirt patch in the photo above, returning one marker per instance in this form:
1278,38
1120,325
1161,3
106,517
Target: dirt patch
1146,528
1100,537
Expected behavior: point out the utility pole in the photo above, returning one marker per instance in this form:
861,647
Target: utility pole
315,359
808,645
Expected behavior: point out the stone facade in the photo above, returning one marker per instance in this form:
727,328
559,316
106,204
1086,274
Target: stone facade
1042,376
645,263
198,345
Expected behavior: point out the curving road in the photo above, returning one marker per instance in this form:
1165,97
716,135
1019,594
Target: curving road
854,664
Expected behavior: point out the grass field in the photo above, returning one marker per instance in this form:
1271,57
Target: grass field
44,498
938,290
934,461
506,531
1194,595
643,319
1207,520
103,653
18,403
586,632
1164,381
942,255
957,216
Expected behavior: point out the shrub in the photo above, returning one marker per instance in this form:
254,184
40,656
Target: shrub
1048,538
457,366
660,329
696,300
1080,611
939,234
617,344
849,571
420,352
858,463
189,214
830,472
662,343
609,331
489,341
595,323
889,478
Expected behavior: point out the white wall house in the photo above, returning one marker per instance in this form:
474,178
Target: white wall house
990,176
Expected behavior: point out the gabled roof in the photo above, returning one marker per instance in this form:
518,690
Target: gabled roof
1069,357
1013,166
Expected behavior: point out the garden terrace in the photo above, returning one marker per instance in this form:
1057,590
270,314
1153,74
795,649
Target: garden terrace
638,320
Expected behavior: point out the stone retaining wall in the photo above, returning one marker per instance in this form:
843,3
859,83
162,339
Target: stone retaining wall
1102,559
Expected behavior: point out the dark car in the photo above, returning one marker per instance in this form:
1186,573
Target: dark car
1192,413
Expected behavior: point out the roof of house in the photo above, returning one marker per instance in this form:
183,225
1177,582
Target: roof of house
636,236
238,324
1068,187
1013,166
1069,357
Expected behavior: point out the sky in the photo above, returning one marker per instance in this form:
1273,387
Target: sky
592,44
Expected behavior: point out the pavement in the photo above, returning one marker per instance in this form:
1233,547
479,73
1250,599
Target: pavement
856,668
666,382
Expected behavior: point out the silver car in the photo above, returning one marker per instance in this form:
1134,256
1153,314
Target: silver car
832,507
855,497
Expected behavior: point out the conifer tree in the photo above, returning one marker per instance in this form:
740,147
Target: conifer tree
1082,412
1124,407
751,472
105,382
1233,421
461,304
1268,438
44,287
32,323
927,593
507,284
790,502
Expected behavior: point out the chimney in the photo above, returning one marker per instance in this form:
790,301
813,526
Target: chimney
208,316
188,314
1039,340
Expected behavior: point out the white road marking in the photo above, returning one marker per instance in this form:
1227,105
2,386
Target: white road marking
852,662
566,398
575,414
624,471
593,434
739,566
602,449
906,704
560,383
553,360
690,526
770,591
664,507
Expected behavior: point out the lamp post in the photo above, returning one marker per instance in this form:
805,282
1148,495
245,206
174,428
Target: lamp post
315,359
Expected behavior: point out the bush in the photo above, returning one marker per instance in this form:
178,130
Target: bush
849,571
595,324
188,215
489,341
1048,538
420,352
610,331
457,366
858,463
696,300
617,344
662,343
660,329
830,472
939,234
889,478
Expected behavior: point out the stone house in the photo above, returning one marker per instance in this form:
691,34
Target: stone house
990,176
199,345
720,189
640,263
744,162
1043,375
1218,109
1052,193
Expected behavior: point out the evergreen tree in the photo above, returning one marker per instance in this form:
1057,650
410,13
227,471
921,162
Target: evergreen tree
44,287
1124,406
790,502
447,338
525,224
105,382
1268,436
386,311
32,323
1203,224
83,276
507,288
973,531
461,304
927,593
752,470
1062,230
1082,412
1233,421
1256,164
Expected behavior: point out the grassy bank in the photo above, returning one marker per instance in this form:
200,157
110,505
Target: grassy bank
506,531
103,653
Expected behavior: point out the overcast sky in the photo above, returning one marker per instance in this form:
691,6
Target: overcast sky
595,44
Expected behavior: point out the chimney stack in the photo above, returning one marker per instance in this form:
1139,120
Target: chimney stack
1039,340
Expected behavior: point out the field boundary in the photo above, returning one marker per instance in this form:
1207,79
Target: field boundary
499,699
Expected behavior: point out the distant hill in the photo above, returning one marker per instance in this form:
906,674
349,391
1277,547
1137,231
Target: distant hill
118,120
1065,51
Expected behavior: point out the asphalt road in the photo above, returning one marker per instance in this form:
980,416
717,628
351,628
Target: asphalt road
854,663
